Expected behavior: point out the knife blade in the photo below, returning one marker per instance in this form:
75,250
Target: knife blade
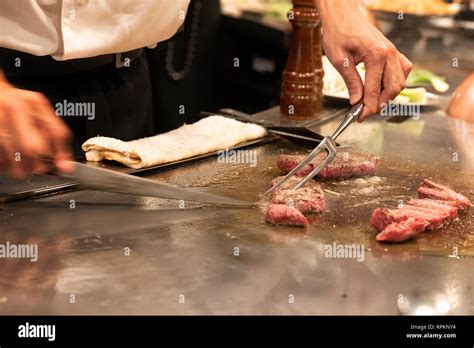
107,180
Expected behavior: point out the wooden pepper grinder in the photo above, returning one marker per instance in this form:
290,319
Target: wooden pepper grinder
318,62
301,89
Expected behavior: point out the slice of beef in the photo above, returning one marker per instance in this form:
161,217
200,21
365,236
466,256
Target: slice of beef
452,211
282,214
432,190
448,203
307,199
403,230
441,213
290,183
439,205
344,165
436,220
382,217
287,163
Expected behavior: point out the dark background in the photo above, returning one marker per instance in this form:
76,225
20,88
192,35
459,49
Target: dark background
214,82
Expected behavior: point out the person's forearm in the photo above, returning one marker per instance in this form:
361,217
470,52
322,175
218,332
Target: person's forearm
349,39
330,10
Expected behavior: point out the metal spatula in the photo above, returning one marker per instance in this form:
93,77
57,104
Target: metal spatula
101,179
299,135
328,145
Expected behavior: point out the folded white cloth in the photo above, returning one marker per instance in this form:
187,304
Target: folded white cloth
210,134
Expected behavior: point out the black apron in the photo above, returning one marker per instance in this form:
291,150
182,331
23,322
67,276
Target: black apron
192,54
121,99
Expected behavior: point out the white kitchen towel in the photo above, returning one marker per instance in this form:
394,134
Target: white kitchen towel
210,134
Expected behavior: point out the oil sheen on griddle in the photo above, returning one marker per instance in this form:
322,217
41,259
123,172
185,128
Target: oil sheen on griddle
348,210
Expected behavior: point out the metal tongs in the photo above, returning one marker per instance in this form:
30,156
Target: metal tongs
328,145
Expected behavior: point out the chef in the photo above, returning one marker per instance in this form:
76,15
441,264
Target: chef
79,65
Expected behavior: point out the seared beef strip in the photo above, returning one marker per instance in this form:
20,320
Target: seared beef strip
397,225
451,210
282,214
308,199
402,231
430,189
345,165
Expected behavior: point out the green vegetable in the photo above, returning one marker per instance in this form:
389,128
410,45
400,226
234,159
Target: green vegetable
401,99
414,95
418,76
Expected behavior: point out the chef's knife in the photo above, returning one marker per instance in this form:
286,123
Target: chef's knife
100,179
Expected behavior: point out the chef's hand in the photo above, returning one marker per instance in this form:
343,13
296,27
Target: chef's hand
348,39
29,129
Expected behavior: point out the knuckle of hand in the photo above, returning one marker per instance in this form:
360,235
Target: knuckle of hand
37,97
370,109
380,52
391,50
352,82
393,89
374,91
370,106
340,63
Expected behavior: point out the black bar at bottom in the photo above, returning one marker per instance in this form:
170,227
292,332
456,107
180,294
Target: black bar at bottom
417,331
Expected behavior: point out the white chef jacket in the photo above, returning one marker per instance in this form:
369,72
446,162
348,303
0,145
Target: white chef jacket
68,29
